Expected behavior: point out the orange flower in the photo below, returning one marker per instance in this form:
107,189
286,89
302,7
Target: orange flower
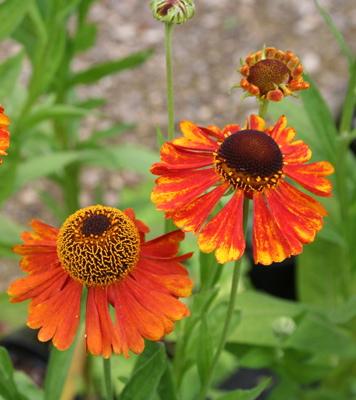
197,169
4,133
105,250
272,74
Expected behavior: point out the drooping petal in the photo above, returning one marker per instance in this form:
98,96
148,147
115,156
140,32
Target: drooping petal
171,193
311,176
163,246
303,221
194,214
224,233
268,242
58,319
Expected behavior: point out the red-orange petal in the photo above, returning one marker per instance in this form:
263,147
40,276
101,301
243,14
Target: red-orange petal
296,152
163,246
256,123
269,243
224,233
174,192
194,137
311,176
192,216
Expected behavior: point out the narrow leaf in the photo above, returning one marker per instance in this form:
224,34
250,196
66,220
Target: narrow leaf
93,74
11,14
147,374
9,72
204,351
250,394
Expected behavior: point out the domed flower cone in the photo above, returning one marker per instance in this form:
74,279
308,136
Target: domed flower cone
200,167
103,249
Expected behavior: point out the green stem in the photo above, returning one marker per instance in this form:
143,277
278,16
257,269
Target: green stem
107,378
229,313
168,225
262,109
169,76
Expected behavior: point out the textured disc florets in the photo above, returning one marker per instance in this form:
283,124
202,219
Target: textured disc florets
98,245
268,75
249,160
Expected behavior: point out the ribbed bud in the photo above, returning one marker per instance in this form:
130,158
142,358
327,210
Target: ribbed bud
173,11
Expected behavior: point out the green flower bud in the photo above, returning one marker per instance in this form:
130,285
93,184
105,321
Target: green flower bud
173,11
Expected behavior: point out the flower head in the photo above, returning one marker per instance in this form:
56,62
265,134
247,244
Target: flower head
272,74
199,168
4,133
173,11
103,249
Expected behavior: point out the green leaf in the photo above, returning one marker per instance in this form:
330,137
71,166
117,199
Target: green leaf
85,38
335,32
320,259
250,394
44,165
26,387
11,14
205,351
9,71
348,108
147,374
57,371
13,313
10,231
321,119
343,313
8,389
259,312
43,113
166,388
93,74
210,270
317,335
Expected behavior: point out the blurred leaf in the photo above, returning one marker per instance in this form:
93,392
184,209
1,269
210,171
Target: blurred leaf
317,335
258,313
127,156
93,74
26,386
335,32
321,119
113,131
205,351
53,111
250,356
85,38
166,388
348,108
44,165
249,394
147,373
11,14
57,371
343,313
9,71
8,389
320,259
13,314
210,270
10,231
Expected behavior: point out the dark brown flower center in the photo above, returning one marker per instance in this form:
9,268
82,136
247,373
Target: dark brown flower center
98,245
95,225
268,74
249,160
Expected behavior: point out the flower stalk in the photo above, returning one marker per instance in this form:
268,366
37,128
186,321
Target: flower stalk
107,379
168,33
229,313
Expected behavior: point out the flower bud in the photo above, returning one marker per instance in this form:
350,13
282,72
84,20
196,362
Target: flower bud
173,11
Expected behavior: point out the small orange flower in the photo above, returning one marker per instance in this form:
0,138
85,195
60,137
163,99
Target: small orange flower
4,133
272,74
103,249
203,165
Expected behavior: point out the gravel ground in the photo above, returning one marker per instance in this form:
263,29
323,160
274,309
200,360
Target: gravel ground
207,51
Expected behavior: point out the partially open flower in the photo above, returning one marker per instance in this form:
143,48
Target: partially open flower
103,249
200,167
272,74
173,11
4,133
